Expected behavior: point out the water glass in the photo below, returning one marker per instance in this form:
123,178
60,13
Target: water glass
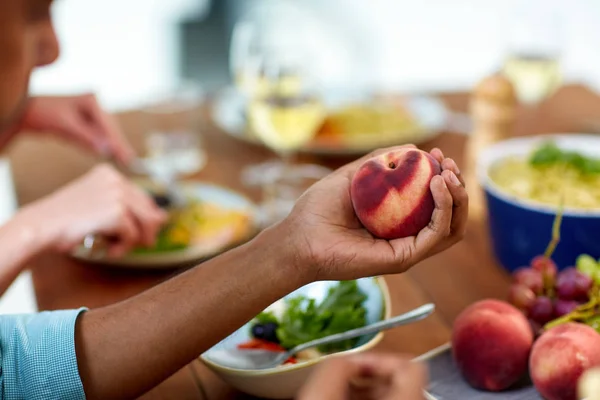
172,141
282,185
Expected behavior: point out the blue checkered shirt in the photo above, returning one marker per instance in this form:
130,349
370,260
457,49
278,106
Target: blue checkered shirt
37,356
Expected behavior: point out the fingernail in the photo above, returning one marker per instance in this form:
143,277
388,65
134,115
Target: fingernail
454,179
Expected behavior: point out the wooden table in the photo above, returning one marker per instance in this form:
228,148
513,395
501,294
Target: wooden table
454,279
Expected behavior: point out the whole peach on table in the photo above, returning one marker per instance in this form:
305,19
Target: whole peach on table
560,357
391,195
491,342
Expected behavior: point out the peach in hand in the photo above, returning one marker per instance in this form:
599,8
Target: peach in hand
391,195
560,357
491,342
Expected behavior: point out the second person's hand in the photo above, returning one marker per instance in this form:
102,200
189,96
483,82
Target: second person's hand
81,120
101,202
366,377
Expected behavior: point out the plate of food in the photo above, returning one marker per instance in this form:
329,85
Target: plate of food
355,123
211,220
312,312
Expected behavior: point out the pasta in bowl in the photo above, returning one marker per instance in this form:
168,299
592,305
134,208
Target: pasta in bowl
525,180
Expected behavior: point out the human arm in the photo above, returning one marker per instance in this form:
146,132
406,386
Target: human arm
102,202
78,119
37,356
18,244
125,349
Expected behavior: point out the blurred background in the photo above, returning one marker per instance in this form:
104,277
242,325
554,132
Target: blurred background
129,50
266,64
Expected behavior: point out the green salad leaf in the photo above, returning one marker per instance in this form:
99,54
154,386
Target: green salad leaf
163,244
549,153
304,320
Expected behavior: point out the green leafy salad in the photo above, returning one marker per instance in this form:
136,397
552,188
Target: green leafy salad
303,320
549,153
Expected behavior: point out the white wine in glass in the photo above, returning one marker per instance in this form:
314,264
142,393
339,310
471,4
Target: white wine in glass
287,112
533,55
285,123
535,77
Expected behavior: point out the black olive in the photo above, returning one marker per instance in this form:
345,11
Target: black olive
266,332
161,200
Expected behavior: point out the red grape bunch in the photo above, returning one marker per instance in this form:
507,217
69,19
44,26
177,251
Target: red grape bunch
544,294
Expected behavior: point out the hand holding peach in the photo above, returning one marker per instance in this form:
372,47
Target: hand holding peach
324,230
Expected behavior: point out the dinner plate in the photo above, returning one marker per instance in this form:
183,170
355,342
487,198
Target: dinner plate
210,193
430,113
447,383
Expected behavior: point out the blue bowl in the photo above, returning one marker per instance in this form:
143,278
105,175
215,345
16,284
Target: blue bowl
520,229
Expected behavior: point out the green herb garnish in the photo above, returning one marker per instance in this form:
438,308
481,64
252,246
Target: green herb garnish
549,153
304,320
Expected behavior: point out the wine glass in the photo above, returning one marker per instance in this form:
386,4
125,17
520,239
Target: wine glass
534,46
287,111
172,141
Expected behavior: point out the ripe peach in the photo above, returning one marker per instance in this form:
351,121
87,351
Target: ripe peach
491,341
560,357
390,193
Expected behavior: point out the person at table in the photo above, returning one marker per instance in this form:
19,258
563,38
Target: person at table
101,201
123,350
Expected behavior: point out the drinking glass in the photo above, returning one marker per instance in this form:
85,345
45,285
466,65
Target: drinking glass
287,111
273,63
534,47
281,188
172,141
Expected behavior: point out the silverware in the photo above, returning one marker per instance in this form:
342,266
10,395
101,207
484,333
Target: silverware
167,183
263,359
94,247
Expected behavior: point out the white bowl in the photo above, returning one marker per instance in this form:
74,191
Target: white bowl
285,381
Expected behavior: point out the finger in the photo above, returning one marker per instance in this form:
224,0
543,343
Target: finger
380,365
449,164
109,130
437,154
350,168
376,375
409,382
439,227
148,216
127,235
460,200
331,380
